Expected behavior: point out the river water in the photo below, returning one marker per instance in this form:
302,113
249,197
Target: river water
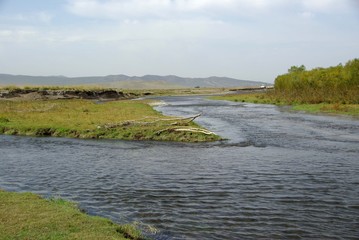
280,175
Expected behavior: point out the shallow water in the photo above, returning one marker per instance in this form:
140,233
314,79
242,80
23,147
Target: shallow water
279,175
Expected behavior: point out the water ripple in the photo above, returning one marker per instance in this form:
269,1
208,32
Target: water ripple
278,176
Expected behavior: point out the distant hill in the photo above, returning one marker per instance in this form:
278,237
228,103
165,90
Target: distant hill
128,82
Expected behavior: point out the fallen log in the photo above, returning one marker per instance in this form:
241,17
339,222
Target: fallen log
194,130
140,122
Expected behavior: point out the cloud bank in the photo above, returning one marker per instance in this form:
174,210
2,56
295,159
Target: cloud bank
168,9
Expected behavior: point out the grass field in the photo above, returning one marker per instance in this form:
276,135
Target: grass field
128,120
28,216
269,98
253,97
333,108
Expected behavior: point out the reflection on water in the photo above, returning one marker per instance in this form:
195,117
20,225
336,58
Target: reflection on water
280,175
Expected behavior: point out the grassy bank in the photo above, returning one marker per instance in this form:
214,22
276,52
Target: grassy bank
28,216
332,108
332,90
272,98
179,92
128,120
263,98
131,92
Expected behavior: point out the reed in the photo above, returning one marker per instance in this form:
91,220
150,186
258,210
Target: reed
339,84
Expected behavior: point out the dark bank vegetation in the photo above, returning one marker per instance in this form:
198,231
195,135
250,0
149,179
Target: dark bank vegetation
93,92
28,216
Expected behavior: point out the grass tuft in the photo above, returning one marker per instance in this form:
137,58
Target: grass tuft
28,216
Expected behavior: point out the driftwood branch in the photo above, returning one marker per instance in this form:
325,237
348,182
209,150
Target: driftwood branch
189,119
194,130
140,122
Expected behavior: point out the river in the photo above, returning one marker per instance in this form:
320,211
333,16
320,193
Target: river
280,174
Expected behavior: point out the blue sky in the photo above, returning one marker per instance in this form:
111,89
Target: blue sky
244,39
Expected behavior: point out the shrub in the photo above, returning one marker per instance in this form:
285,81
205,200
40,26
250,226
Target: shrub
327,85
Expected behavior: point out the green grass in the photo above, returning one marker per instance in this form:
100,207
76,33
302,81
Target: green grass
271,98
336,108
128,120
180,92
28,216
263,98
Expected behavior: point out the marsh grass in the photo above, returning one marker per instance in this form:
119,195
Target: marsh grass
28,216
263,98
335,108
86,119
270,97
179,91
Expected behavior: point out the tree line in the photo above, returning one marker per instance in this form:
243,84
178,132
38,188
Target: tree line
339,84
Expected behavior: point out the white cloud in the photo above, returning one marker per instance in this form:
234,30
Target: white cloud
118,9
42,17
327,6
19,35
5,33
168,8
307,15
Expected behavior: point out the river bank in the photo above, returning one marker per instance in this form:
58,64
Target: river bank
54,94
28,216
91,92
79,118
269,98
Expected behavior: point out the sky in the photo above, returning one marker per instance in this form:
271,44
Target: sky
244,39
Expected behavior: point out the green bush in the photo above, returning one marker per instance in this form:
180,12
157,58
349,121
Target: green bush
328,85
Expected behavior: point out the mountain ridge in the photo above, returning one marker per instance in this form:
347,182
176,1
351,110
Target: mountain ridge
119,80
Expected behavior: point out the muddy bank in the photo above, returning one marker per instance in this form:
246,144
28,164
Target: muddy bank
34,94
